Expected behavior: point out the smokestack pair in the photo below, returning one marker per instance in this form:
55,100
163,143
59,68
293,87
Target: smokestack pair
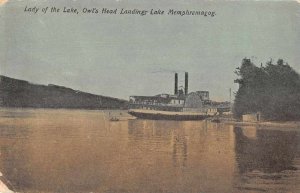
186,84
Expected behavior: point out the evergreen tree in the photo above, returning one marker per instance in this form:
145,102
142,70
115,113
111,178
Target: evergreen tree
273,90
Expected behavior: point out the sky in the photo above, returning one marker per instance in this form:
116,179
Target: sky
123,55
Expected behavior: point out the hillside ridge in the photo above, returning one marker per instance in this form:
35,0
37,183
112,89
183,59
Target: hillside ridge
21,93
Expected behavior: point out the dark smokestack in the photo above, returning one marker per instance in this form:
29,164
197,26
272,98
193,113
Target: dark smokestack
186,84
176,84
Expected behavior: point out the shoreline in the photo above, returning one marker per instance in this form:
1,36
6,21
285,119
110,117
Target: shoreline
223,120
286,124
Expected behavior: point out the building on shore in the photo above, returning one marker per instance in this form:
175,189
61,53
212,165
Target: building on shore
180,101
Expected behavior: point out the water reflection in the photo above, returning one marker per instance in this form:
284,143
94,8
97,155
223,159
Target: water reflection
179,148
267,160
270,151
197,152
82,151
172,132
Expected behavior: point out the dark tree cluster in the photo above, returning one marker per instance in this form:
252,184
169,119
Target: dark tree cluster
272,89
20,93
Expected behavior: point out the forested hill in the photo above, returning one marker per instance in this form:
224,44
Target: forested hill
20,93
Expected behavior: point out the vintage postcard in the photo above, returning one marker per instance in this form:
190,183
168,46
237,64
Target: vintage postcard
131,96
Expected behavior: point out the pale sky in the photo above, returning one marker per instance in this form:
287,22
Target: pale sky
119,56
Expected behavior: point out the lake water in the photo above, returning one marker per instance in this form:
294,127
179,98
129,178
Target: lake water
82,151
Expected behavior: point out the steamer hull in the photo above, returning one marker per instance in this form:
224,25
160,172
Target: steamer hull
165,115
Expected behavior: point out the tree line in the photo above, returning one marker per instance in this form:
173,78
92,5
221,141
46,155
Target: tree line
272,89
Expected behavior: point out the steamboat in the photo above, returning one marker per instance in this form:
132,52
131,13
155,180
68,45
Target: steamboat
181,105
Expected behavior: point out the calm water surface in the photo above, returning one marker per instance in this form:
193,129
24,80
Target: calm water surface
82,151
